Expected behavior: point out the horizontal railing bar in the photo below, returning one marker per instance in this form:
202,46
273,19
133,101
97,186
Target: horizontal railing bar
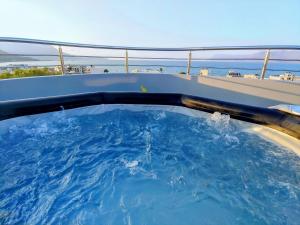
241,68
295,71
289,60
13,54
69,44
163,65
151,58
245,59
65,56
224,68
166,66
208,67
66,64
29,66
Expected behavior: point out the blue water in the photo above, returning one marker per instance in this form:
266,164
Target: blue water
115,165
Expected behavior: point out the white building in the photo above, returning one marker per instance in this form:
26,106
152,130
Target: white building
251,76
285,76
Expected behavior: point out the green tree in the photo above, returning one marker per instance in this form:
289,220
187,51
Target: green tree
31,72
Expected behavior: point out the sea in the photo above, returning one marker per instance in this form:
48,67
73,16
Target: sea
215,68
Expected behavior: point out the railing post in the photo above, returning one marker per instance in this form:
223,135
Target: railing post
264,68
126,61
189,64
61,59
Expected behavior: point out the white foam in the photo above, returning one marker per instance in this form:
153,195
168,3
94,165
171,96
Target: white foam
221,123
99,109
215,119
132,164
219,120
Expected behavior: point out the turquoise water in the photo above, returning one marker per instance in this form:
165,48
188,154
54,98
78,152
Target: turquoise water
142,165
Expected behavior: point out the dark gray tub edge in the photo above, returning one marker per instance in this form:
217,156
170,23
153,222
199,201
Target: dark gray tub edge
284,122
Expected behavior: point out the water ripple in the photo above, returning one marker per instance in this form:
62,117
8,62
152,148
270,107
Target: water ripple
121,166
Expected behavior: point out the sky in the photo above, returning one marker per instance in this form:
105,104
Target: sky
154,23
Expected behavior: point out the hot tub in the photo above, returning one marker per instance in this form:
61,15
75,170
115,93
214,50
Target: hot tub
143,164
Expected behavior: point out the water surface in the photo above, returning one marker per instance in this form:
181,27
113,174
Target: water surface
140,165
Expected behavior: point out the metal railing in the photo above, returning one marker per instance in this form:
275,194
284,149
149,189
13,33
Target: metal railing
188,50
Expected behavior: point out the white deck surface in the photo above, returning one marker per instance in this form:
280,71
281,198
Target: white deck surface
262,93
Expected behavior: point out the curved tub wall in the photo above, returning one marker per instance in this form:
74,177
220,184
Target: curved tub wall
273,118
275,136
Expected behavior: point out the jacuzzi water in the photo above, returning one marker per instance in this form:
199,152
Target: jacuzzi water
143,165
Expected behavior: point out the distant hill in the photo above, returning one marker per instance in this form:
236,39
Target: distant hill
275,54
23,48
36,49
4,58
